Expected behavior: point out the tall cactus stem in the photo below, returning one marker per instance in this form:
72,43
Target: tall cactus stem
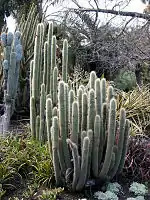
91,110
103,90
37,127
36,72
53,65
98,100
75,122
63,123
71,99
110,93
84,112
79,96
90,136
55,86
84,165
83,135
55,111
45,63
120,142
92,80
65,61
31,76
49,123
55,135
125,144
49,70
61,157
96,143
110,139
42,135
76,162
32,117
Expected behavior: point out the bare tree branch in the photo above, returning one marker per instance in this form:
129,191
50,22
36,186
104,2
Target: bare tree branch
115,12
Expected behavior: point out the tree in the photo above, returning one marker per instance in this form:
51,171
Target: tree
108,48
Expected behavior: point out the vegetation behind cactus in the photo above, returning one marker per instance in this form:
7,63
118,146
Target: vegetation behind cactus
125,80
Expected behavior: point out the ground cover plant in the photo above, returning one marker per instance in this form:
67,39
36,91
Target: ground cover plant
24,163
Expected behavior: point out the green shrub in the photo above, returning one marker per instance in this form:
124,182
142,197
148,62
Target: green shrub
125,80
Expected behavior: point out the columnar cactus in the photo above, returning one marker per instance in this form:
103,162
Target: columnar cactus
81,124
13,53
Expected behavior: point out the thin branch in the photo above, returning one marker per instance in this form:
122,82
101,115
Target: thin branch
114,12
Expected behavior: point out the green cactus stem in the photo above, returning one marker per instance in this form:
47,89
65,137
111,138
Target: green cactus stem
49,70
55,135
92,80
110,139
84,165
63,123
83,135
45,63
71,99
32,117
55,112
91,110
110,93
103,90
84,112
42,135
120,142
79,97
49,123
55,86
75,122
37,127
104,117
98,100
67,104
96,144
31,76
125,144
65,60
53,65
61,157
76,163
35,80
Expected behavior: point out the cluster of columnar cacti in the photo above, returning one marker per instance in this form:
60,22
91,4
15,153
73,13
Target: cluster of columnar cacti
11,66
85,139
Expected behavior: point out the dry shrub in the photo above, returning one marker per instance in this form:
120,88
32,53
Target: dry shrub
137,164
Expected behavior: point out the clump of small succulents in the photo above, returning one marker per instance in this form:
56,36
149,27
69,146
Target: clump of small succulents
108,195
113,189
136,198
138,189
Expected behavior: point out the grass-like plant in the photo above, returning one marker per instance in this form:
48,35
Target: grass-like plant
24,160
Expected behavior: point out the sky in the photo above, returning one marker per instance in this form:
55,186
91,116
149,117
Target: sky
134,6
